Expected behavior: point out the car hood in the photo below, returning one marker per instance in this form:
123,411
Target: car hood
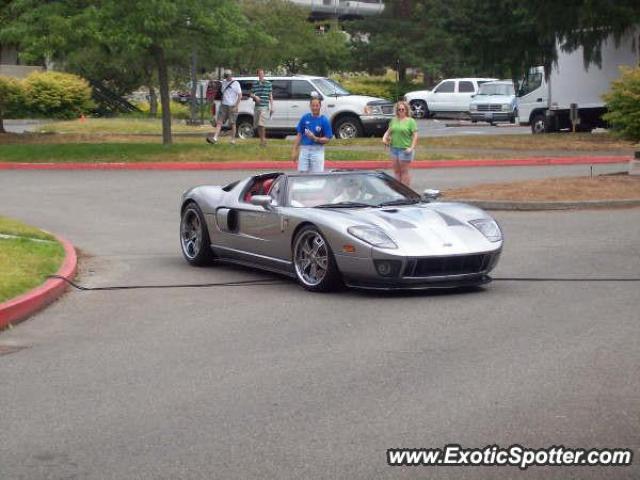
365,99
433,229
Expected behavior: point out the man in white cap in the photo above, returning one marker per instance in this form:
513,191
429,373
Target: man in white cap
231,96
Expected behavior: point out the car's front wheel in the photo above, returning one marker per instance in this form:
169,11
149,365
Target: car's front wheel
348,127
194,237
419,109
539,124
313,260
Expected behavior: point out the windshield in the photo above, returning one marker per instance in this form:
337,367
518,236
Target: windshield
330,88
531,82
496,89
348,190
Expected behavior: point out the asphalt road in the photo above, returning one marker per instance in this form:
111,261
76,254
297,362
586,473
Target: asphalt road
272,382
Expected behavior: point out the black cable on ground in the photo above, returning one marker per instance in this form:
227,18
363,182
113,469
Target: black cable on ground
258,282
239,283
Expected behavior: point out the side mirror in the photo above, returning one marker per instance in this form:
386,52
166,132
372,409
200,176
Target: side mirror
430,195
264,201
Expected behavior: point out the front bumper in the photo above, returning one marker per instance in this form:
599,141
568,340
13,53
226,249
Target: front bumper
419,273
375,124
491,116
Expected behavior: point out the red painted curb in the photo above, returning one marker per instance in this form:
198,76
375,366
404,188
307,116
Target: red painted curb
19,308
276,165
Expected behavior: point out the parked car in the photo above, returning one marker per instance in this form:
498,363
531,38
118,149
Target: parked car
450,96
362,229
494,102
350,115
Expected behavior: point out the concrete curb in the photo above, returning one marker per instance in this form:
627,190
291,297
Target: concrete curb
533,206
19,308
278,165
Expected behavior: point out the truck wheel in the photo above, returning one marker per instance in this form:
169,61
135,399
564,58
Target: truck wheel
419,109
348,127
539,124
244,128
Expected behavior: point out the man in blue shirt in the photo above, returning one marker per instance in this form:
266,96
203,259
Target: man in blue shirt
314,130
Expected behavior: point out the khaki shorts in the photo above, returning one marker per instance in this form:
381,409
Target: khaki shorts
260,116
228,112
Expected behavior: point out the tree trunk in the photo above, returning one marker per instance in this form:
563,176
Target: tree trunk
165,100
153,102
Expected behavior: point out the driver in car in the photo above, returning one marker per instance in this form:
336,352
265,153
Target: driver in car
351,190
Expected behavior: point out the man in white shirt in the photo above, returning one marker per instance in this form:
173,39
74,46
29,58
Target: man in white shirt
231,96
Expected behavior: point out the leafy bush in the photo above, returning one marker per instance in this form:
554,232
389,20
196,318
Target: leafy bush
375,86
11,97
57,95
179,110
623,101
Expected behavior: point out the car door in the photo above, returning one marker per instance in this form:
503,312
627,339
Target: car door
441,98
300,96
466,88
260,231
281,104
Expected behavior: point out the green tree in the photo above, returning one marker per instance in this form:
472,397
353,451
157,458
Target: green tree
137,32
623,102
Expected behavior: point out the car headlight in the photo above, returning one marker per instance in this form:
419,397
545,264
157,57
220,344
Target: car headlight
506,107
473,107
489,228
373,110
373,236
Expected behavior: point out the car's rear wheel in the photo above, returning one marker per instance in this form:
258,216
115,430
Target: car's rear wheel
419,109
244,128
194,237
313,260
348,127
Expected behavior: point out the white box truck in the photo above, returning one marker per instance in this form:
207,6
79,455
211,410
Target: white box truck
545,101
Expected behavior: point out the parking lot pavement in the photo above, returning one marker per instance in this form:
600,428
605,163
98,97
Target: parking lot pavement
445,128
274,382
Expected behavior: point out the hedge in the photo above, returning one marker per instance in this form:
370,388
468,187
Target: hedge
623,102
57,95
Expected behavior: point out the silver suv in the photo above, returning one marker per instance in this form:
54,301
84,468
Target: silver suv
350,115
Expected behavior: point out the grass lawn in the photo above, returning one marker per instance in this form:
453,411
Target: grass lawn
603,187
25,263
188,151
114,127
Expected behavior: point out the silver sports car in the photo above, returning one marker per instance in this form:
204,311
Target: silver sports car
362,229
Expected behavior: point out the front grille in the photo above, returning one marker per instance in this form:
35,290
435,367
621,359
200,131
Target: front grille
493,107
455,265
387,109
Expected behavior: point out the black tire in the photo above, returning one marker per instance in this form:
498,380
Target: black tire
309,266
539,124
244,127
347,127
419,109
194,236
514,115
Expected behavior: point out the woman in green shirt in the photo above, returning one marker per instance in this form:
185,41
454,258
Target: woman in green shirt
402,136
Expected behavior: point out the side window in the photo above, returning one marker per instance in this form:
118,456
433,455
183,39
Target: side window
276,189
445,87
465,87
246,85
281,89
301,90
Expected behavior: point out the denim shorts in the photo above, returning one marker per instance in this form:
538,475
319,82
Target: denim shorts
400,154
311,159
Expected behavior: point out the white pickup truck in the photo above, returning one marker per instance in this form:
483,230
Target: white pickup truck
450,96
